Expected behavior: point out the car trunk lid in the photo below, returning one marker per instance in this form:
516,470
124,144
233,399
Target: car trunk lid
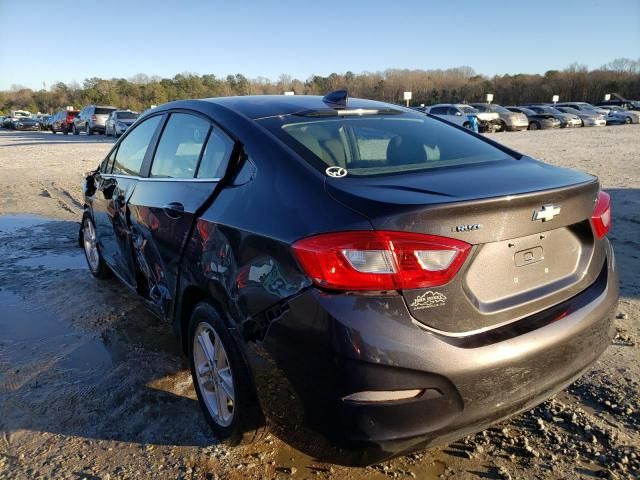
521,262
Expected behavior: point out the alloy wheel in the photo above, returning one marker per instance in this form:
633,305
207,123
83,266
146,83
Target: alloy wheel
214,375
90,245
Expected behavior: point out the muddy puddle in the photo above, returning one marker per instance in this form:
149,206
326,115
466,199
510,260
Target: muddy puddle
24,325
55,261
11,223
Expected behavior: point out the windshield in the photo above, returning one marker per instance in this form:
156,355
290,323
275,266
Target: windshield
587,106
376,145
500,109
527,111
468,109
551,110
569,110
127,115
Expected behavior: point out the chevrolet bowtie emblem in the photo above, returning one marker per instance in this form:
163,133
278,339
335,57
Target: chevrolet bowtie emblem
546,213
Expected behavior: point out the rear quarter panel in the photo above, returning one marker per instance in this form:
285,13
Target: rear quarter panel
239,251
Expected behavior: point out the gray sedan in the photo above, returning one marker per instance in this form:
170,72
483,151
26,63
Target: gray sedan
567,120
589,119
119,121
537,121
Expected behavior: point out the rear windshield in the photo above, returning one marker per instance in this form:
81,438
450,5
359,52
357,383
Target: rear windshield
376,145
103,111
127,115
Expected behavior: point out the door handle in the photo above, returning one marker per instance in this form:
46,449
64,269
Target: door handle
174,209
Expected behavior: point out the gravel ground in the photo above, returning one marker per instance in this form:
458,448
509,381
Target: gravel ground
92,386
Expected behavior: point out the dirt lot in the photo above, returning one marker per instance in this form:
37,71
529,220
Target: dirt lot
92,386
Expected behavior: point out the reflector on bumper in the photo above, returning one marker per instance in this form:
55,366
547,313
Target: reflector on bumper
382,396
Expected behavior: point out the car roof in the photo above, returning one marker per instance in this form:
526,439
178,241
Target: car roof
260,106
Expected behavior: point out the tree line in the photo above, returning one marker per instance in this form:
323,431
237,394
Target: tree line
461,84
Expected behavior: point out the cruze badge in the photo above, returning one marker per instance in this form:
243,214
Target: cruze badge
336,172
546,213
466,228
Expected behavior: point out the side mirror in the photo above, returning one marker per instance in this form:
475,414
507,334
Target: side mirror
458,114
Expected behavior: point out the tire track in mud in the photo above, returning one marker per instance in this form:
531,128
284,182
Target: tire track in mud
62,197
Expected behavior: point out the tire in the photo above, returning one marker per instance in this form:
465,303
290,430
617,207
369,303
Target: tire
534,126
65,131
88,130
628,120
503,126
246,423
97,266
75,130
53,131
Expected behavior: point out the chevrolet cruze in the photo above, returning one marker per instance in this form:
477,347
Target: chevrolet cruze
360,277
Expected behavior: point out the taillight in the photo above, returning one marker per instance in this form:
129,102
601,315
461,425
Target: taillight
601,218
380,260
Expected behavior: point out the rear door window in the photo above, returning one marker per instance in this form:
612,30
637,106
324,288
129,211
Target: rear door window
133,147
438,110
216,155
180,146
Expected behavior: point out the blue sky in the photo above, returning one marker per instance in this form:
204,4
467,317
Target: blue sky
49,41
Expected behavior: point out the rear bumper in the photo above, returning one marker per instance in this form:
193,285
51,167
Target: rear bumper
325,347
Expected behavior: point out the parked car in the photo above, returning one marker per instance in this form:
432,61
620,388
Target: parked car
617,115
9,122
537,121
91,119
509,121
46,122
63,121
14,116
354,268
459,113
583,107
567,120
589,119
20,113
119,120
625,104
26,123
